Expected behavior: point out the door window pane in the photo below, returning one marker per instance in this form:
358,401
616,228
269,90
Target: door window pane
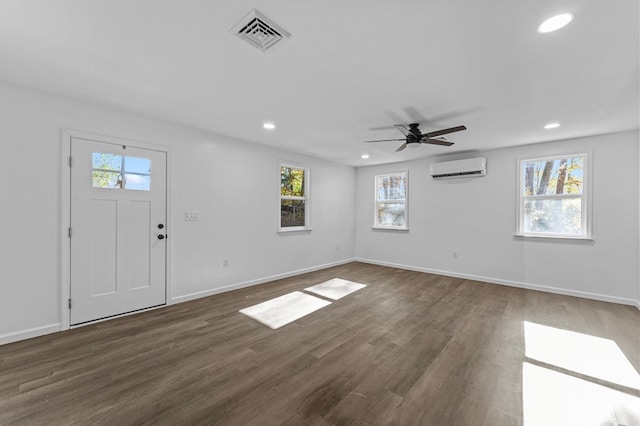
137,165
118,172
137,182
102,179
105,161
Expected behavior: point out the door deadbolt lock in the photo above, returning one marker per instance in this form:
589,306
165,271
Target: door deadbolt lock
160,226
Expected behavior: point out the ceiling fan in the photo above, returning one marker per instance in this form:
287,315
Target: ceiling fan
413,135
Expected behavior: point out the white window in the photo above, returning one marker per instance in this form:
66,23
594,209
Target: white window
294,198
553,197
391,201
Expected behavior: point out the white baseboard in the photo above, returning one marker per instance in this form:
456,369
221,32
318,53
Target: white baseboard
529,286
28,334
53,328
236,286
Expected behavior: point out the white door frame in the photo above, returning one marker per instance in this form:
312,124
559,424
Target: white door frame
65,216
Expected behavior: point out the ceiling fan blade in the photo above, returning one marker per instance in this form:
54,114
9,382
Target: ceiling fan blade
443,132
437,142
381,128
387,140
403,146
402,128
414,114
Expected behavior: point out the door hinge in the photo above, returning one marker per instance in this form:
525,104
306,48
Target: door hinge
69,303
70,161
69,232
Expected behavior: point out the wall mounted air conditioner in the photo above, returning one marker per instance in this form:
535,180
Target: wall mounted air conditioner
470,167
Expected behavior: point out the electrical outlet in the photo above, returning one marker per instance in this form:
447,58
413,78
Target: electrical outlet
337,247
190,216
225,263
455,254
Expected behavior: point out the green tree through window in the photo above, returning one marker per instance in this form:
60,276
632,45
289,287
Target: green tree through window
293,198
552,198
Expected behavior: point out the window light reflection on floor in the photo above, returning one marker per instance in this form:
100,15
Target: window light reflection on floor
584,391
553,398
580,353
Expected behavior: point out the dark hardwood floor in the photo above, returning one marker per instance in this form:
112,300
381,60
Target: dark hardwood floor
410,348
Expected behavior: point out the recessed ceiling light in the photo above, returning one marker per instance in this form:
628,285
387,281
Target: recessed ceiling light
552,125
364,156
269,126
555,23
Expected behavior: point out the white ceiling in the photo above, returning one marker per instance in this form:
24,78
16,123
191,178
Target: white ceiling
350,70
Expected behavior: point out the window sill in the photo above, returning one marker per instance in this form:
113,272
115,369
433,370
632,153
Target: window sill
553,237
389,228
290,230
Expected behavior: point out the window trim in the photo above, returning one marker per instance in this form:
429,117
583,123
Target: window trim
586,207
406,202
306,198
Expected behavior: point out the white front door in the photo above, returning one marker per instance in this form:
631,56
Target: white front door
118,229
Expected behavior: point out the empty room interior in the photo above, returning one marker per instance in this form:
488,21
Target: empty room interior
320,213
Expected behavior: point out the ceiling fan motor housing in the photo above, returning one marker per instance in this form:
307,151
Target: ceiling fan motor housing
414,135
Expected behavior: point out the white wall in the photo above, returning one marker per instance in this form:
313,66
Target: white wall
234,187
232,184
477,218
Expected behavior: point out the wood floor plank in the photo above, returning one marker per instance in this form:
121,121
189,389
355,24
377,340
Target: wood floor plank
410,348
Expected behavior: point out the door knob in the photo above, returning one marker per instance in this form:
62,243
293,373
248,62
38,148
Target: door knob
161,237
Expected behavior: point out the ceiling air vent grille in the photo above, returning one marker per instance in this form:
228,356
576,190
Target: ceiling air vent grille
259,30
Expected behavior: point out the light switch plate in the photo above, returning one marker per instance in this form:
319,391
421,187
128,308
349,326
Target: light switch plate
190,216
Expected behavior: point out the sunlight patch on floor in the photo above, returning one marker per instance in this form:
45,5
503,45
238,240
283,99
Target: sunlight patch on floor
285,309
553,398
581,353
